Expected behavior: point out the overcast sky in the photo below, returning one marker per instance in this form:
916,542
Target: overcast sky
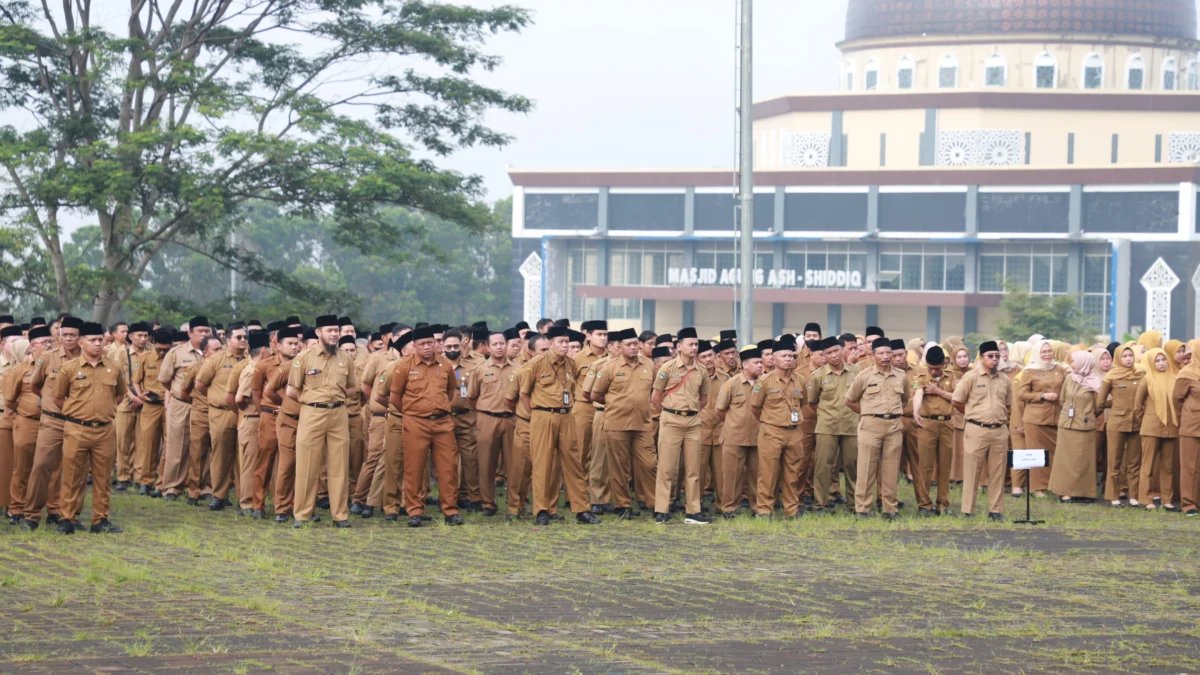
645,83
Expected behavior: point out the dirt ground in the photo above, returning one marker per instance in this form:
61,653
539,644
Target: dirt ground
1094,590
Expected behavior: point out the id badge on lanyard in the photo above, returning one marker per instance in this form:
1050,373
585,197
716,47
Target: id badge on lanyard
795,417
566,397
462,387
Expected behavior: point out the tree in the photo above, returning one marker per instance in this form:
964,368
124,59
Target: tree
160,136
1057,317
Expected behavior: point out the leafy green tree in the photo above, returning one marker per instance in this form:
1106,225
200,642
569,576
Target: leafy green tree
1057,317
160,135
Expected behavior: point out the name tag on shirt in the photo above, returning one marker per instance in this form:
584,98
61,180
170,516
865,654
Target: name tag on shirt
566,398
462,390
314,371
795,417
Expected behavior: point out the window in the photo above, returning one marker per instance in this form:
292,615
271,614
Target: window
582,270
1097,286
625,308
849,71
922,267
1039,269
1093,71
637,264
1170,75
948,72
1135,72
1045,71
995,70
904,73
872,76
830,256
1193,76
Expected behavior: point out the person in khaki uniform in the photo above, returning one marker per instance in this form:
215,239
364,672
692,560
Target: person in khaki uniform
1037,390
739,431
1073,475
250,424
8,361
520,466
622,385
128,411
354,410
178,450
88,390
25,409
808,419
369,490
836,428
495,424
421,388
908,458
1186,396
933,392
879,396
286,425
984,395
1124,444
276,430
464,362
1160,426
681,391
392,499
320,379
199,440
720,364
45,489
548,389
152,398
583,411
214,381
776,401
598,490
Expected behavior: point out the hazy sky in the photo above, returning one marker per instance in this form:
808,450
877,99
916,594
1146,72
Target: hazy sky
645,83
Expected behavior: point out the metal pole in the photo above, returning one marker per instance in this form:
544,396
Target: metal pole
233,276
746,171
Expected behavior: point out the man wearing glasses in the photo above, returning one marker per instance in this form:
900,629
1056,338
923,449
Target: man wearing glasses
214,381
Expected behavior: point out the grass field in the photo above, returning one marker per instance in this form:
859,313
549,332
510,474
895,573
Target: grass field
1094,590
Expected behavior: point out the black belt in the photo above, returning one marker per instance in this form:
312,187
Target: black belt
503,415
939,418
353,414
523,419
435,416
559,411
53,415
218,407
777,426
888,416
249,417
270,411
985,426
379,414
457,413
599,408
152,402
682,413
327,406
295,417
86,423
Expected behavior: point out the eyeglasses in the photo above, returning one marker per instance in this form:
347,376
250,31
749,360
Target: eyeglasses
237,337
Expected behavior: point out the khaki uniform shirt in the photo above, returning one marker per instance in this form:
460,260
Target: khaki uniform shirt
91,392
583,362
549,384
199,403
931,405
425,388
1186,398
463,371
1117,396
217,375
46,372
1033,384
321,378
710,422
264,370
740,427
1151,426
378,372
589,380
354,398
986,397
175,364
18,391
488,384
879,394
780,398
290,407
827,390
516,380
245,384
1078,409
682,385
626,388
127,359
145,375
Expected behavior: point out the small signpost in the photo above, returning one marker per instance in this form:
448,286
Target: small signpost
1025,460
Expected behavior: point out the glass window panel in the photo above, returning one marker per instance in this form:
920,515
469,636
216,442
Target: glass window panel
995,76
1169,80
764,262
816,261
1016,270
1091,77
946,77
726,261
1045,77
1193,77
872,79
706,260
991,273
1095,274
904,79
910,275
616,268
1041,274
956,273
836,261
1136,75
858,263
935,271
635,270
889,262
1096,309
1059,274
657,268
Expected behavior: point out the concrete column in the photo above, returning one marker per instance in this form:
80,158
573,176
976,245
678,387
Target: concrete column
833,320
873,316
933,323
777,310
1074,267
872,210
972,210
780,205
927,154
872,265
689,313
1075,211
602,274
689,213
648,309
837,145
970,269
970,320
1122,267
602,216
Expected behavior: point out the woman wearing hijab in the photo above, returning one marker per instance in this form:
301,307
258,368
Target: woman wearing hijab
1124,456
1176,355
1041,382
1187,397
958,364
1160,424
1103,356
22,410
915,352
1151,339
1073,472
8,462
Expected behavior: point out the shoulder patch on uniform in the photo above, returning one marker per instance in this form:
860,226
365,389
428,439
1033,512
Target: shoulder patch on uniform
757,388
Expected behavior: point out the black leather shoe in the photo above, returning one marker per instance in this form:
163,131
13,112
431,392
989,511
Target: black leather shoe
105,527
925,513
623,513
476,507
586,518
156,493
392,517
65,527
543,519
696,519
245,513
431,501
597,509
282,517
998,517
453,520
119,486
29,525
729,515
367,512
863,514
144,491
555,516
839,500
256,514
424,518
677,507
323,503
215,504
745,504
192,501
662,518
489,512
341,523
463,504
511,518
356,508
170,498
414,521
52,519
891,516
300,524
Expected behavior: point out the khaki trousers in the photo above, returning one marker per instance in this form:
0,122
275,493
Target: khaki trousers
520,470
87,449
45,479
1037,437
421,436
268,447
553,453
365,485
1189,472
779,452
880,444
285,464
126,424
322,448
468,456
393,466
830,449
6,459
808,454
597,469
710,477
223,429
1124,463
935,448
199,448
628,454
247,440
678,439
24,435
494,437
984,447
176,416
583,416
1158,457
738,462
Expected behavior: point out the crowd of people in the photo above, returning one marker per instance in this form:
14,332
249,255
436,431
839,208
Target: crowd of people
283,420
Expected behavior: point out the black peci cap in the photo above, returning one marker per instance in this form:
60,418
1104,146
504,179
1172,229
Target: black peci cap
935,356
39,332
750,353
880,343
898,344
71,322
88,329
685,333
786,343
258,339
660,352
162,336
811,327
989,346
556,330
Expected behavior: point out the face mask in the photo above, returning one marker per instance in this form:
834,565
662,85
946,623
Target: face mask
453,356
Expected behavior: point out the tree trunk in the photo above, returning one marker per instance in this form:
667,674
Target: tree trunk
107,303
